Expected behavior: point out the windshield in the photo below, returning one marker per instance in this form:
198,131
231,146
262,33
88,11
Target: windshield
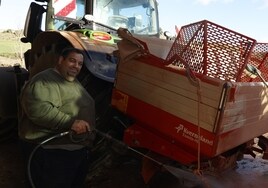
138,16
72,9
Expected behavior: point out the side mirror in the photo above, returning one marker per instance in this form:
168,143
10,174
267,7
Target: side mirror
33,22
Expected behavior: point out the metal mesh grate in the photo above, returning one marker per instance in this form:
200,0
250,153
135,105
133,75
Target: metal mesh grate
212,50
259,59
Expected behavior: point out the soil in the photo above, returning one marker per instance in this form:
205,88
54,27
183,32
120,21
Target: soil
126,172
10,62
11,166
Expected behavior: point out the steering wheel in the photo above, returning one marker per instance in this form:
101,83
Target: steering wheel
117,21
141,30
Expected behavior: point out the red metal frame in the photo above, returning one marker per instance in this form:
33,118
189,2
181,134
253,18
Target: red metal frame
164,133
212,50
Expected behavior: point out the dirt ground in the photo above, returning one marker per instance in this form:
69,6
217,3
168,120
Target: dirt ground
10,62
12,171
249,173
125,173
11,166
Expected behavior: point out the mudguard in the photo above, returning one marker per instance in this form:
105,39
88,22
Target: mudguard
99,56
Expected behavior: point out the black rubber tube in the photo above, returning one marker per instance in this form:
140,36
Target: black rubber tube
35,149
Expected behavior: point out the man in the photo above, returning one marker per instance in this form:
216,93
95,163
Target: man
53,101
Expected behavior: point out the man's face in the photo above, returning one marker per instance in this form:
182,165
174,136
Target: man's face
70,66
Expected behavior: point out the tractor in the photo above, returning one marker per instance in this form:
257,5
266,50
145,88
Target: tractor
89,25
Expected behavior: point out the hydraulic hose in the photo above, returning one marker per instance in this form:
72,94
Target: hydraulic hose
105,136
35,149
180,173
45,141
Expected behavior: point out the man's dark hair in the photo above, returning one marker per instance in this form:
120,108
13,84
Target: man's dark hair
66,51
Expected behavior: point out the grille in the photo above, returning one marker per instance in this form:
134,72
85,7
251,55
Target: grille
212,50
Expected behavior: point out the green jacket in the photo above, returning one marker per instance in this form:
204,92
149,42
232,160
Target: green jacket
50,104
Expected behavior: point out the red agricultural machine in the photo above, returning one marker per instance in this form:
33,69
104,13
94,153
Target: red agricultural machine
201,103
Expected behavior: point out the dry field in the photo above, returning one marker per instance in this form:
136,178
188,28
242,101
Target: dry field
6,62
11,48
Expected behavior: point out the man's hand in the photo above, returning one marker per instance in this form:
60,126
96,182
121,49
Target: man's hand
80,126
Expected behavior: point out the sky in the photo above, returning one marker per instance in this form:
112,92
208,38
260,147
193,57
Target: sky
248,17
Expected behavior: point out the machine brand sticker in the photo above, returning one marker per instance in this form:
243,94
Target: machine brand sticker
191,135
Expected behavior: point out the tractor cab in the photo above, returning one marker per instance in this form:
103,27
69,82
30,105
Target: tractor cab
138,16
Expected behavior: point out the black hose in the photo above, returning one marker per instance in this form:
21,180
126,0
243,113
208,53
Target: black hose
45,141
179,172
35,149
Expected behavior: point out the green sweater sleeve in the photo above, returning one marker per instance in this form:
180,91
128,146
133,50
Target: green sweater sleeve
41,102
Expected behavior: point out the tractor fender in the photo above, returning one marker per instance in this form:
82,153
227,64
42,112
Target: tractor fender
99,56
